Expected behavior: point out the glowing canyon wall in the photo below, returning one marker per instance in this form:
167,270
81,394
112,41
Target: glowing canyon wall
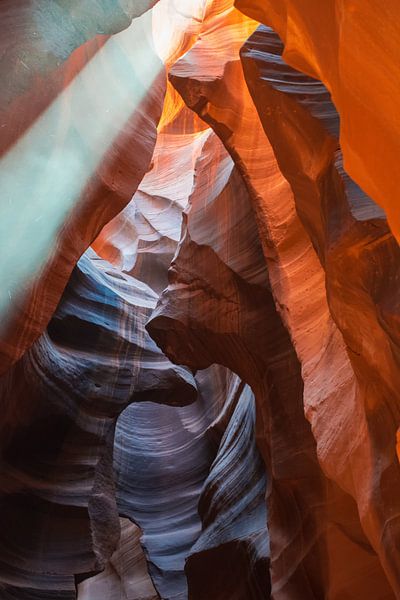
199,310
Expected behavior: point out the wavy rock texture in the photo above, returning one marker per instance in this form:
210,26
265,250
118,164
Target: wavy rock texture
141,240
298,285
225,275
229,560
62,400
345,226
59,513
162,457
234,331
169,446
91,151
330,41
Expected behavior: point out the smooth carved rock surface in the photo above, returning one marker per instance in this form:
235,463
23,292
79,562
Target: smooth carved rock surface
91,116
162,457
187,338
126,576
90,107
94,362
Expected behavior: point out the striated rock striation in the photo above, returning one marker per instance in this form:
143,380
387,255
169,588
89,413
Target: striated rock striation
125,576
72,466
175,447
162,457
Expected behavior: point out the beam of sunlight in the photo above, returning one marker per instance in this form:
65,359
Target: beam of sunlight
43,175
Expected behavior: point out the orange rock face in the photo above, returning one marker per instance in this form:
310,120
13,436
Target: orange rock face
353,48
344,226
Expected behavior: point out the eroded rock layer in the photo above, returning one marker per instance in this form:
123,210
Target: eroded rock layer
90,111
125,576
176,445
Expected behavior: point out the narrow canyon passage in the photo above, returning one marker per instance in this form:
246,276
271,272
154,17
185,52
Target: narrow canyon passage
200,300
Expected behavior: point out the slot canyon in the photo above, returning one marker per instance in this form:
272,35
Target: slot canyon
199,300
